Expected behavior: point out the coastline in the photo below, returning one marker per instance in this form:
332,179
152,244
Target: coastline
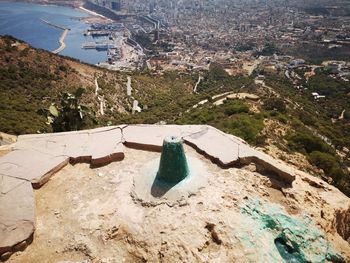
66,30
91,12
66,3
87,16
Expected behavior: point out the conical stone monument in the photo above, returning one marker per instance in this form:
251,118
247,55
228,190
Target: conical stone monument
172,177
173,166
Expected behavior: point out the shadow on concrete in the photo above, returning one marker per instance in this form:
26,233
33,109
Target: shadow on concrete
160,188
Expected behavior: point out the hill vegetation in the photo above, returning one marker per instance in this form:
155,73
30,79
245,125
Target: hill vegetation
32,80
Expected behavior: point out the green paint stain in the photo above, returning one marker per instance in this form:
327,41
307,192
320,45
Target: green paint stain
295,240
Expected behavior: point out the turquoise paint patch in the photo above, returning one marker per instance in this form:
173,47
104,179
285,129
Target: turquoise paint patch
292,240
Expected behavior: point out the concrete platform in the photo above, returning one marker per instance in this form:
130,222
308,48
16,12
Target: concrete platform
17,213
35,158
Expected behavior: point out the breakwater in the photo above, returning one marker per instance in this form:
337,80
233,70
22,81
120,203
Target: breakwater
61,39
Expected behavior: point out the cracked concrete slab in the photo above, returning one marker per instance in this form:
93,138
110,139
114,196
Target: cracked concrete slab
31,165
72,144
7,184
17,215
220,147
35,158
105,147
266,163
227,151
150,137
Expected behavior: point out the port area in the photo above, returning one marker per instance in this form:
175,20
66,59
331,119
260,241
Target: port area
123,52
62,44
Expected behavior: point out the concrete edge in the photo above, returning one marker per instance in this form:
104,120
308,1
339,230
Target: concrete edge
39,182
118,156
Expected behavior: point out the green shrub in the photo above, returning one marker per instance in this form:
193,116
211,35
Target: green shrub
305,142
275,104
245,126
331,167
231,107
217,72
63,68
328,163
307,119
70,115
282,118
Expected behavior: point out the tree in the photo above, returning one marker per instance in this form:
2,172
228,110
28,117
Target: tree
276,104
70,115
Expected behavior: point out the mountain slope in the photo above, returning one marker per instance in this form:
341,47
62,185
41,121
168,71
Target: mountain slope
272,113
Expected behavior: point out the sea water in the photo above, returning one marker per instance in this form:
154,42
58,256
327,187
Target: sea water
23,21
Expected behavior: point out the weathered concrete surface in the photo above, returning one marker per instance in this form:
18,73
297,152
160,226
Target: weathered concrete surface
6,139
91,215
5,149
266,163
30,165
7,184
224,149
220,147
95,143
35,158
150,137
228,151
17,212
105,147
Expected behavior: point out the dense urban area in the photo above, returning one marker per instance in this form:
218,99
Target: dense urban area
191,34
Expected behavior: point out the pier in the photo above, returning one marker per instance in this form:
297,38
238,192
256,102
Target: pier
102,45
61,39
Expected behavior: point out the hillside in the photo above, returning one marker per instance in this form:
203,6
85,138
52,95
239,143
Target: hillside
270,113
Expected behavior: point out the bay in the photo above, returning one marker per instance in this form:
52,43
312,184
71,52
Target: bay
23,21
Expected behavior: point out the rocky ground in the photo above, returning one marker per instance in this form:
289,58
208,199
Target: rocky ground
92,215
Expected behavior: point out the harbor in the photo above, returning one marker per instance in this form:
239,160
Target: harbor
110,38
113,38
62,44
76,33
99,45
106,37
43,26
